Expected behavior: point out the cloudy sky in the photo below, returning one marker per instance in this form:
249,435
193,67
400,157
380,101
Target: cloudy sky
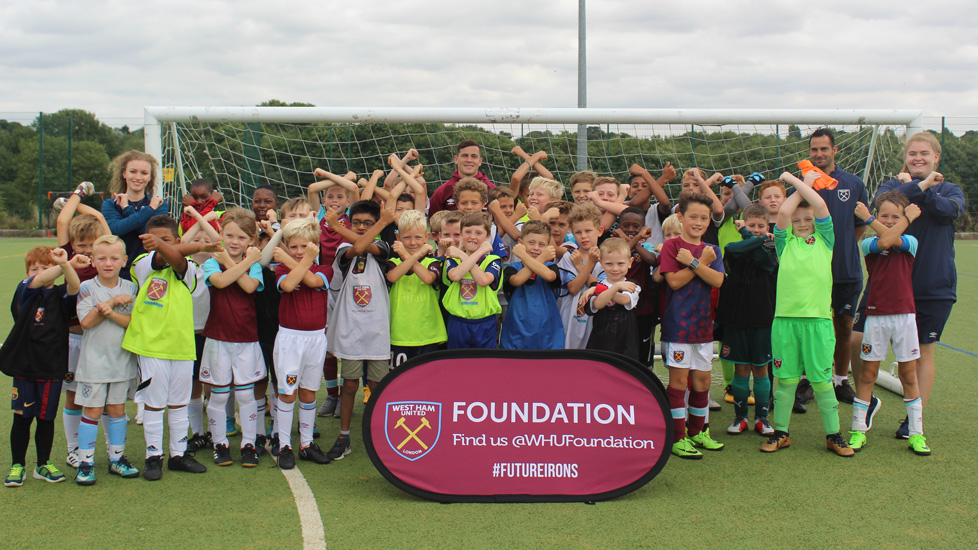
112,57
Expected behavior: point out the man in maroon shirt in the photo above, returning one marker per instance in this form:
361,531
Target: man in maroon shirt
468,159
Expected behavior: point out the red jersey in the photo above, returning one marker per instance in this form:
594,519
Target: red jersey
304,308
330,240
232,314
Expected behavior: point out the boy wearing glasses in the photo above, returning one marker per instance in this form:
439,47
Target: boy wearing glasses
359,333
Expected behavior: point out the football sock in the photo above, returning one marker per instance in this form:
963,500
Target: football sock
915,416
345,433
699,407
87,434
43,440
762,393
828,406
330,371
217,415
260,419
245,395
115,433
283,418
195,411
71,419
784,393
728,369
153,432
859,410
740,388
229,406
677,405
307,418
20,438
179,424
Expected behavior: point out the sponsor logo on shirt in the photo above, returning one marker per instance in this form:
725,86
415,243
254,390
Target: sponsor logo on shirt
361,295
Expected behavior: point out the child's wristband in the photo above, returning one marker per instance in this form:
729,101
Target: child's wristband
870,220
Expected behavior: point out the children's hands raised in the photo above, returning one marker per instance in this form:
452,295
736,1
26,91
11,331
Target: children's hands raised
455,252
398,248
120,300
519,210
912,211
150,242
222,257
320,173
485,248
708,256
904,177
104,308
810,178
253,254
191,211
386,217
684,256
80,261
279,255
575,257
548,254
625,286
644,234
330,218
187,200
59,256
582,301
594,254
668,172
411,155
312,251
519,250
862,212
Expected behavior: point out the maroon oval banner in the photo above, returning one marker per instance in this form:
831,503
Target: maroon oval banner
518,426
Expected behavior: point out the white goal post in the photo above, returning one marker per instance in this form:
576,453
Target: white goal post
239,148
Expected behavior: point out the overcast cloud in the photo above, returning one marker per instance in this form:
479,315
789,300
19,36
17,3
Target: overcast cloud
113,57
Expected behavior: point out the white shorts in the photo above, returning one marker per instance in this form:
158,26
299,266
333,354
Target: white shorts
222,363
100,394
164,382
898,330
299,356
74,352
688,356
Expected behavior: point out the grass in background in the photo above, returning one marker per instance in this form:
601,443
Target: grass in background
804,496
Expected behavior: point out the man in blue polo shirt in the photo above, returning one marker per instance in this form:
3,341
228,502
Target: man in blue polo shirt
847,273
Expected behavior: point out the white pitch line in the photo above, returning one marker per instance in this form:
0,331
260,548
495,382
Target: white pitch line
313,533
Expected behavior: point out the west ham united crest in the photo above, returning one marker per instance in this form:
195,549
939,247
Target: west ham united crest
157,289
843,195
777,363
412,427
678,356
38,315
467,289
810,239
291,379
361,295
867,349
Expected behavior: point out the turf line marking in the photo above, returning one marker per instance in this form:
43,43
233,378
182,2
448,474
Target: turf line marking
956,349
967,275
313,533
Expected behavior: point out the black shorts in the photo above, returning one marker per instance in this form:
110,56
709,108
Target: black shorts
845,296
859,321
932,315
746,346
199,344
36,398
401,354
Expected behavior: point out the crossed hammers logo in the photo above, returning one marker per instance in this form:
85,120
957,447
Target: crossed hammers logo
412,434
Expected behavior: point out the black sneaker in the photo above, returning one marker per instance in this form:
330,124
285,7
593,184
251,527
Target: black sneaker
844,393
798,407
260,446
874,407
153,470
903,432
273,445
222,455
249,456
198,442
286,460
185,463
340,449
804,392
313,453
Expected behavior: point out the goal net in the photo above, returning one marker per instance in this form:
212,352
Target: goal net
241,148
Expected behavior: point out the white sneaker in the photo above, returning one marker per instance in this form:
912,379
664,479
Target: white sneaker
72,459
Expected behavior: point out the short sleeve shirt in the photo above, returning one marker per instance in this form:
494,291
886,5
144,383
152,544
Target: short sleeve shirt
232,310
304,308
102,358
688,317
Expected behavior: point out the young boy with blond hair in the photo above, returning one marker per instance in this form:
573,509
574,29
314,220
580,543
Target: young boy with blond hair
613,302
106,372
579,270
414,276
802,336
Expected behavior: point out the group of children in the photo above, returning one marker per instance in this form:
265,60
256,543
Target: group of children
354,279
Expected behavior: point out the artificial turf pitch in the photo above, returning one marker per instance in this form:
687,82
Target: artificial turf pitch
803,496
